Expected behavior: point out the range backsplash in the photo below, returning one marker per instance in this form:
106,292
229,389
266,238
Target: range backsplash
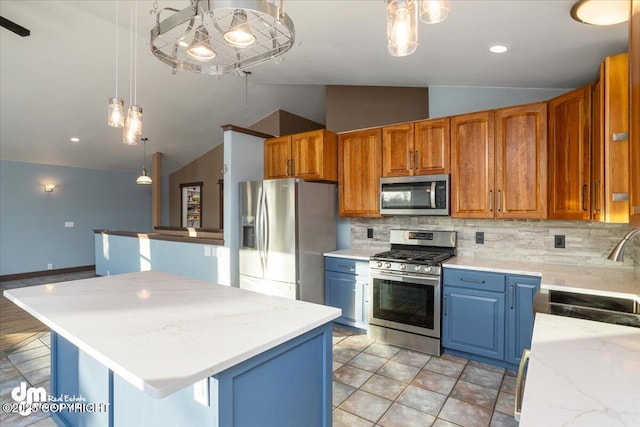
587,243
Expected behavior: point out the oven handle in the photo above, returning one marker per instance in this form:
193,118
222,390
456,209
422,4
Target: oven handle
421,280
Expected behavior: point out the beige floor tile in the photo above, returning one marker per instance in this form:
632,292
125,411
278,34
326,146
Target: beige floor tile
356,342
506,403
399,371
444,367
342,354
382,350
341,392
351,376
487,366
423,400
384,387
403,416
475,394
366,405
434,382
453,358
508,384
368,362
465,414
482,377
411,358
343,418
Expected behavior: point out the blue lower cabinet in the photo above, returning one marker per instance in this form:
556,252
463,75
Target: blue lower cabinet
520,291
473,321
346,285
489,315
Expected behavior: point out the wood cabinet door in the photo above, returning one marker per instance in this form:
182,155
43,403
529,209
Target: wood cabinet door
634,125
359,170
570,155
431,142
472,165
397,150
597,149
277,157
307,155
521,162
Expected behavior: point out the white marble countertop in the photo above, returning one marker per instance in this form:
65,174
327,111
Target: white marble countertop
582,373
360,254
622,282
163,332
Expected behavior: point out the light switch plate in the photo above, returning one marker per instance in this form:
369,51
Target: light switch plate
69,224
201,392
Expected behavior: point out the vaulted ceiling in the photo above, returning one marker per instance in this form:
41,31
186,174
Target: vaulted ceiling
55,83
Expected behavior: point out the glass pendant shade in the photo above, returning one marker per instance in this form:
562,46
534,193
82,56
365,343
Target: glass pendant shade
134,119
200,48
128,137
239,33
402,27
144,179
116,113
434,11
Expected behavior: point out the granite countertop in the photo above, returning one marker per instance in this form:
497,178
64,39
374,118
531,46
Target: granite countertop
361,254
621,282
582,373
163,332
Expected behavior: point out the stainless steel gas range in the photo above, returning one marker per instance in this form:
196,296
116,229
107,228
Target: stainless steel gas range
405,291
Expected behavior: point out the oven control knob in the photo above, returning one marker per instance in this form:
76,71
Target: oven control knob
379,264
416,268
403,266
387,265
427,269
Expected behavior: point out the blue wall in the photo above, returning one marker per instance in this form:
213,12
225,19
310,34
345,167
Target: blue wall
32,231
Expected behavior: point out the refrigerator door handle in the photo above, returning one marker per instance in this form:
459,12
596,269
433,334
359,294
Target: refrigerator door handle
259,228
265,213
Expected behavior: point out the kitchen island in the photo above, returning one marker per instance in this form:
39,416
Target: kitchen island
165,350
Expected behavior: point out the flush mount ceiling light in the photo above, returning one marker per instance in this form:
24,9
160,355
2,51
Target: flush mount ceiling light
144,179
601,12
499,48
233,35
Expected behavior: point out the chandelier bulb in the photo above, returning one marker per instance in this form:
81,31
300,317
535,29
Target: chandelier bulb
200,48
239,34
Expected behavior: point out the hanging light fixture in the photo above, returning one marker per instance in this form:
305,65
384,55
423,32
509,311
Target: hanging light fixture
144,179
240,33
227,28
133,121
601,12
434,11
402,28
115,116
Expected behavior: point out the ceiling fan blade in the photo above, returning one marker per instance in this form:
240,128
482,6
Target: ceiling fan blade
12,26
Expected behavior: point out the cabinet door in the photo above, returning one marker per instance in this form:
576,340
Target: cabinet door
597,149
314,155
277,157
521,162
634,126
431,147
397,150
570,155
359,155
473,321
520,292
345,292
472,170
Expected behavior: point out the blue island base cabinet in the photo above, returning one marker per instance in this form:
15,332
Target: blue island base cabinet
487,316
288,386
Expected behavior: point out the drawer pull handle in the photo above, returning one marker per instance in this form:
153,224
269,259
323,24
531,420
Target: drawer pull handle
445,305
472,280
511,295
348,267
526,354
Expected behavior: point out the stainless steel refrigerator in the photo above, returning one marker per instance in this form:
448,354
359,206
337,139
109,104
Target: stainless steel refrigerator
286,226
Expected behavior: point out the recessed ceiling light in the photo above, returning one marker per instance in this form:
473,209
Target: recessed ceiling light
74,139
601,12
498,48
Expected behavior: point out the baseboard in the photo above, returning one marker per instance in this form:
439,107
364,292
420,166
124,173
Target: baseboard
21,276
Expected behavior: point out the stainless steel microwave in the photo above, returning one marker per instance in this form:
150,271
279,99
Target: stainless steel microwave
415,195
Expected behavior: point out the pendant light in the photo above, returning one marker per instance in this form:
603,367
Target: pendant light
115,116
402,28
144,179
434,11
239,34
133,121
200,48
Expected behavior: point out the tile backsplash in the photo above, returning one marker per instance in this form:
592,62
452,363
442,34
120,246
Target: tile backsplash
586,243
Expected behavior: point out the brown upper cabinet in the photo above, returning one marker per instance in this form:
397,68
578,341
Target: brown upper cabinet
499,163
309,155
634,128
419,148
570,155
610,168
359,161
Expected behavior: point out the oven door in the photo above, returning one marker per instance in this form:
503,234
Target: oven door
406,303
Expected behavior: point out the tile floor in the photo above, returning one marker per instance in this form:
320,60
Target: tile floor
374,384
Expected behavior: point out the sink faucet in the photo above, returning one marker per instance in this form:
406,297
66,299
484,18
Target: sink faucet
617,254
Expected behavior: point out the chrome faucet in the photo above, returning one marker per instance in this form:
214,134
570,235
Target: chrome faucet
617,254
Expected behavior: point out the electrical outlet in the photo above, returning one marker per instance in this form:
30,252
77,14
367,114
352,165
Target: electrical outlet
369,233
559,241
480,237
49,266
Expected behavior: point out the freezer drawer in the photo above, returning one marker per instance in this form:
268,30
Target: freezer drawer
269,287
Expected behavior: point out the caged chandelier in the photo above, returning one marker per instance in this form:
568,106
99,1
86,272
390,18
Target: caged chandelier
220,36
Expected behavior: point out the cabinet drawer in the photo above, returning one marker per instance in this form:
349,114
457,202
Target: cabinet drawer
346,265
480,280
